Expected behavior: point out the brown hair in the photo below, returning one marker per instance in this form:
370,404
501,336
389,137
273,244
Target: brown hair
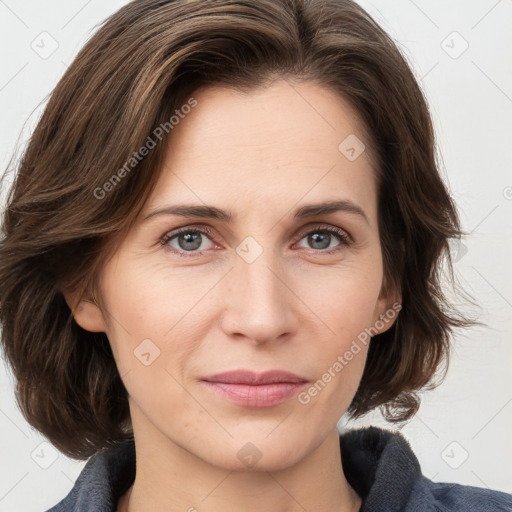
142,65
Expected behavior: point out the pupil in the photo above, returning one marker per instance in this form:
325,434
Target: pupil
323,237
189,239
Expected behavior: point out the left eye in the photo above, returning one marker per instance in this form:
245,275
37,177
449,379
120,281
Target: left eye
322,238
189,240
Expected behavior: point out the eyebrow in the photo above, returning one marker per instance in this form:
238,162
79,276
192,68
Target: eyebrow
212,212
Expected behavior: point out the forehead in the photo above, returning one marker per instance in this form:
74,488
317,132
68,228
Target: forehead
271,146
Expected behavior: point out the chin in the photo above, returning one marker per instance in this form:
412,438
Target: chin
255,450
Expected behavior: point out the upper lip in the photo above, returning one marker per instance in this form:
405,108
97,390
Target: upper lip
254,378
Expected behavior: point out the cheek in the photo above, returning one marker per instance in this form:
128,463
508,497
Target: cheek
342,308
343,299
144,299
156,314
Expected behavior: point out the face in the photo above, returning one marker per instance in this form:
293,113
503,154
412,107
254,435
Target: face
264,290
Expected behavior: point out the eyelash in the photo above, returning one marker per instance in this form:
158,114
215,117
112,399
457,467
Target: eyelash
344,238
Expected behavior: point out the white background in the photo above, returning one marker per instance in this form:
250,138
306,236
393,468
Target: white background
470,95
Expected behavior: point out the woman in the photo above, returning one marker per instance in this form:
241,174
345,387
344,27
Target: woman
227,231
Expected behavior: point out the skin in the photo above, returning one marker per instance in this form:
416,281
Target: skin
260,155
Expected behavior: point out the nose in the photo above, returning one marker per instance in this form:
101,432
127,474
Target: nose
259,304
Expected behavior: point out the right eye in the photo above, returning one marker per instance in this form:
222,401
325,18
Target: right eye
186,240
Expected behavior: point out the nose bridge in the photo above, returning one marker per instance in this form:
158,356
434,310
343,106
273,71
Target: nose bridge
261,279
259,303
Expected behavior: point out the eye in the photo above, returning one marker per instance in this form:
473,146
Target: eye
321,237
187,240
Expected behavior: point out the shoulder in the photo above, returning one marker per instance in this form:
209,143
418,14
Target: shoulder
381,467
103,480
451,497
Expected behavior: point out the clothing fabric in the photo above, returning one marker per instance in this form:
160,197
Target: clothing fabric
379,465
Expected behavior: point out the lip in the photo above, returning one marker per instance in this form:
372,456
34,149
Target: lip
254,378
252,389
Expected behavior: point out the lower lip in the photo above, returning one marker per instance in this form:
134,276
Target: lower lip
264,395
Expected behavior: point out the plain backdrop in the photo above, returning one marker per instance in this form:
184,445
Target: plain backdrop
461,53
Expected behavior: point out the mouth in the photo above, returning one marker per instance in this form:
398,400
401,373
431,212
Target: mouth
252,389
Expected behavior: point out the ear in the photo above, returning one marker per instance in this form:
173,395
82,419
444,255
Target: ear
86,312
387,308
